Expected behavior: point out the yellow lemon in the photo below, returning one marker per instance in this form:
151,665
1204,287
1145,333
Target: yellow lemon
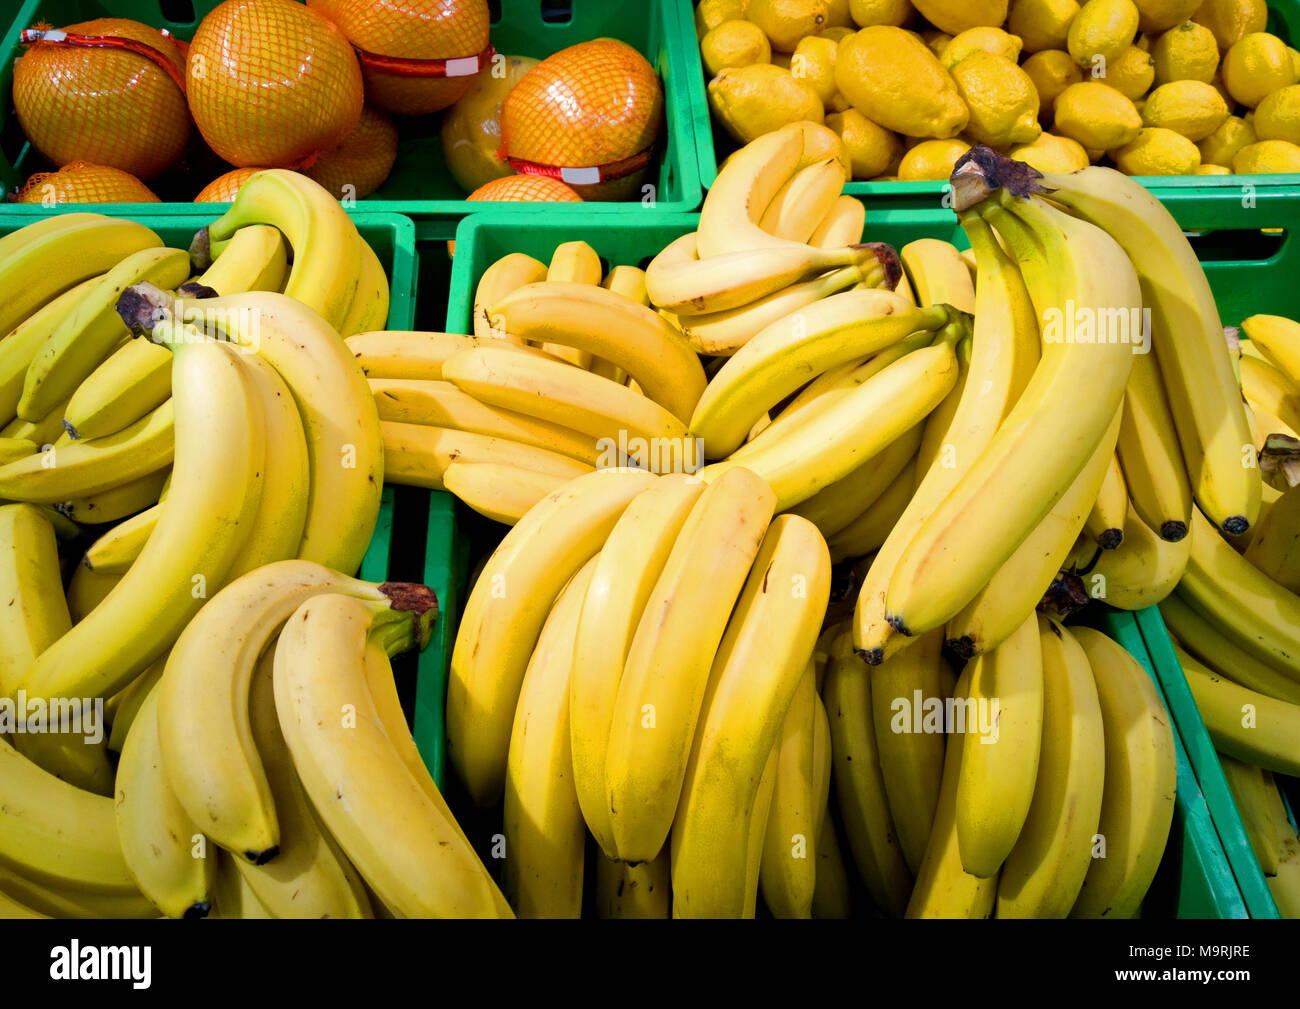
782,60
1001,98
785,22
711,13
1041,24
937,41
1267,157
813,63
1132,74
837,34
1193,108
839,14
1278,115
1257,66
821,142
1295,59
734,44
866,13
1101,31
893,79
1160,15
870,148
1052,71
1204,169
757,99
1097,116
1050,153
1186,52
1221,146
982,39
838,103
1157,151
1232,20
955,16
931,160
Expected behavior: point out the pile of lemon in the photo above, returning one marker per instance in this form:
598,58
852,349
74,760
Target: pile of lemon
1154,87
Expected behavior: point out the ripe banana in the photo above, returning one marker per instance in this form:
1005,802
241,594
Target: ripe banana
118,548
501,492
35,614
831,898
63,903
399,354
86,590
834,507
116,502
1249,794
1107,520
1142,572
134,380
255,259
129,701
787,872
20,238
1275,550
868,532
418,456
1277,339
632,891
509,273
47,431
20,347
938,274
16,448
800,205
934,436
842,224
369,309
573,263
1150,456
1269,389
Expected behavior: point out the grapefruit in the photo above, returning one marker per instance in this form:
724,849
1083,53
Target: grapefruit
522,189
82,182
359,165
471,129
224,188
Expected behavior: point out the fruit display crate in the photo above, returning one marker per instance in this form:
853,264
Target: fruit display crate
713,145
420,184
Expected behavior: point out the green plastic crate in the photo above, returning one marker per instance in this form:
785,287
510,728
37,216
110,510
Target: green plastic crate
713,146
420,184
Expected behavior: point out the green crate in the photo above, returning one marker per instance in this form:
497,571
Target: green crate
420,184
712,147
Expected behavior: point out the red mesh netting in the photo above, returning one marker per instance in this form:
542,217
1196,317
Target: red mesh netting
526,189
224,188
362,161
80,182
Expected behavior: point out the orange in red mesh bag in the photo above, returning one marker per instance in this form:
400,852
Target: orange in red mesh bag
272,83
589,116
418,56
359,165
81,182
109,91
224,188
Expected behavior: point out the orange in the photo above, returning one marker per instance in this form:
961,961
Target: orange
81,182
108,106
471,129
359,165
272,83
522,189
224,188
412,30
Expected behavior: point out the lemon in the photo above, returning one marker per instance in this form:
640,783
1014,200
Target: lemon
1101,31
1160,15
1132,74
1097,116
1050,153
839,14
955,16
1041,24
1232,20
870,148
1001,98
1295,59
1257,66
757,99
785,22
838,103
734,44
1278,115
1267,157
813,63
937,41
866,13
931,160
1193,108
1204,169
1187,52
893,79
1052,71
983,39
1221,146
1157,151
782,60
711,13
837,34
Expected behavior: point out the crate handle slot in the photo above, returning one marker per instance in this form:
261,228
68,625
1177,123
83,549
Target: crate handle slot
1246,245
180,13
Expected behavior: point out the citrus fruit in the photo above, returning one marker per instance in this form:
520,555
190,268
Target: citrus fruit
1186,52
272,83
1101,31
1096,115
1193,108
871,148
1267,157
955,16
1041,24
1050,153
866,13
813,63
82,182
1052,71
839,14
1221,146
1132,74
931,160
711,13
1256,66
593,104
1232,20
1204,169
752,101
224,188
526,189
395,31
982,39
1002,100
359,165
1278,115
471,129
893,79
785,22
106,105
734,44
837,34
1157,151
1160,15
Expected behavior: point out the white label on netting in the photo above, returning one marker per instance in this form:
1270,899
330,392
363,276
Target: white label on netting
465,66
580,176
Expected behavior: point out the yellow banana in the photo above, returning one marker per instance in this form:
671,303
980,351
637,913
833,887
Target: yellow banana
35,614
16,448
369,309
575,263
831,897
49,430
807,197
509,273
842,224
1275,550
499,491
1142,572
20,346
86,590
867,533
1107,520
787,873
938,274
117,502
415,354
834,507
1150,456
1249,794
1268,388
129,701
1278,340
255,259
62,903
118,548
134,380
632,891
417,456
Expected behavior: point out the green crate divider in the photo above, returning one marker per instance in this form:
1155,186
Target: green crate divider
1283,20
420,184
1205,762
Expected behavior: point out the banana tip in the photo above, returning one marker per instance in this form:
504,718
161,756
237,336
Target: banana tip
264,856
963,647
1110,539
1173,530
1235,525
871,656
199,909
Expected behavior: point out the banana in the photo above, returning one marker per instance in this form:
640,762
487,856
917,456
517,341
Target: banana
88,334
628,567
369,309
166,852
1277,339
1275,550
45,432
1004,355
135,380
414,354
505,611
765,653
327,257
868,532
629,281
1248,788
35,614
16,448
1045,871
1137,805
934,436
86,590
116,503
543,827
615,329
795,349
129,701
996,785
938,274
1142,572
498,491
1150,456
834,507
1269,389
574,263
344,442
800,205
418,456
1108,519
677,656
831,897
509,273
1285,886
12,909
85,468
232,896
59,903
842,224
859,784
410,852
255,259
787,874
1187,336
632,891
22,237
19,347
117,549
